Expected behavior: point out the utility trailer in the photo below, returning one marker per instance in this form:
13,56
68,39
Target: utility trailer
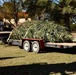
38,44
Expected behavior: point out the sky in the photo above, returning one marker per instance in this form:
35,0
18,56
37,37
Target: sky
56,1
1,2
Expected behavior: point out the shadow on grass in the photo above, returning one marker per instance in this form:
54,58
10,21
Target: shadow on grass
4,58
40,69
66,51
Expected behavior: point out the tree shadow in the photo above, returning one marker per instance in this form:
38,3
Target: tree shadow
4,58
67,50
40,69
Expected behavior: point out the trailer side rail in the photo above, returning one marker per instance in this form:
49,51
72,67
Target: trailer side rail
60,45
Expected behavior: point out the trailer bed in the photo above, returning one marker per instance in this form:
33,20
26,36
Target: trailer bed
60,45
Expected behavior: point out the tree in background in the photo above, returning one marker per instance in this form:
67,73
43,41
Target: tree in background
57,9
38,9
67,8
10,9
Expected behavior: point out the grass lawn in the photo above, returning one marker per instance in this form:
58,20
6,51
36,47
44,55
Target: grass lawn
16,61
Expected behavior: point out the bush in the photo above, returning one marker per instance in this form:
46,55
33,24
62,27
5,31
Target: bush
49,31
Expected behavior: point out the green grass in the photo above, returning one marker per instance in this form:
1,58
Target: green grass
16,61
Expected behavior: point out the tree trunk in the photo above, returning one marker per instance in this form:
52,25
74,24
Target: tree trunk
66,20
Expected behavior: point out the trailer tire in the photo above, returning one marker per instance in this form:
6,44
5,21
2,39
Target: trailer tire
35,47
26,46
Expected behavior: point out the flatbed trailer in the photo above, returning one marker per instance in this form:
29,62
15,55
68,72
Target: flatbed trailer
38,44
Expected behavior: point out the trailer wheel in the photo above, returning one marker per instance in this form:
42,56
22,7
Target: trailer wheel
35,47
26,46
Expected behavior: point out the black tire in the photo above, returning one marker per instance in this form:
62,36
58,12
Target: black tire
26,46
35,47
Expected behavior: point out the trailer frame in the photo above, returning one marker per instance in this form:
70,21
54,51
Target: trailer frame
42,45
